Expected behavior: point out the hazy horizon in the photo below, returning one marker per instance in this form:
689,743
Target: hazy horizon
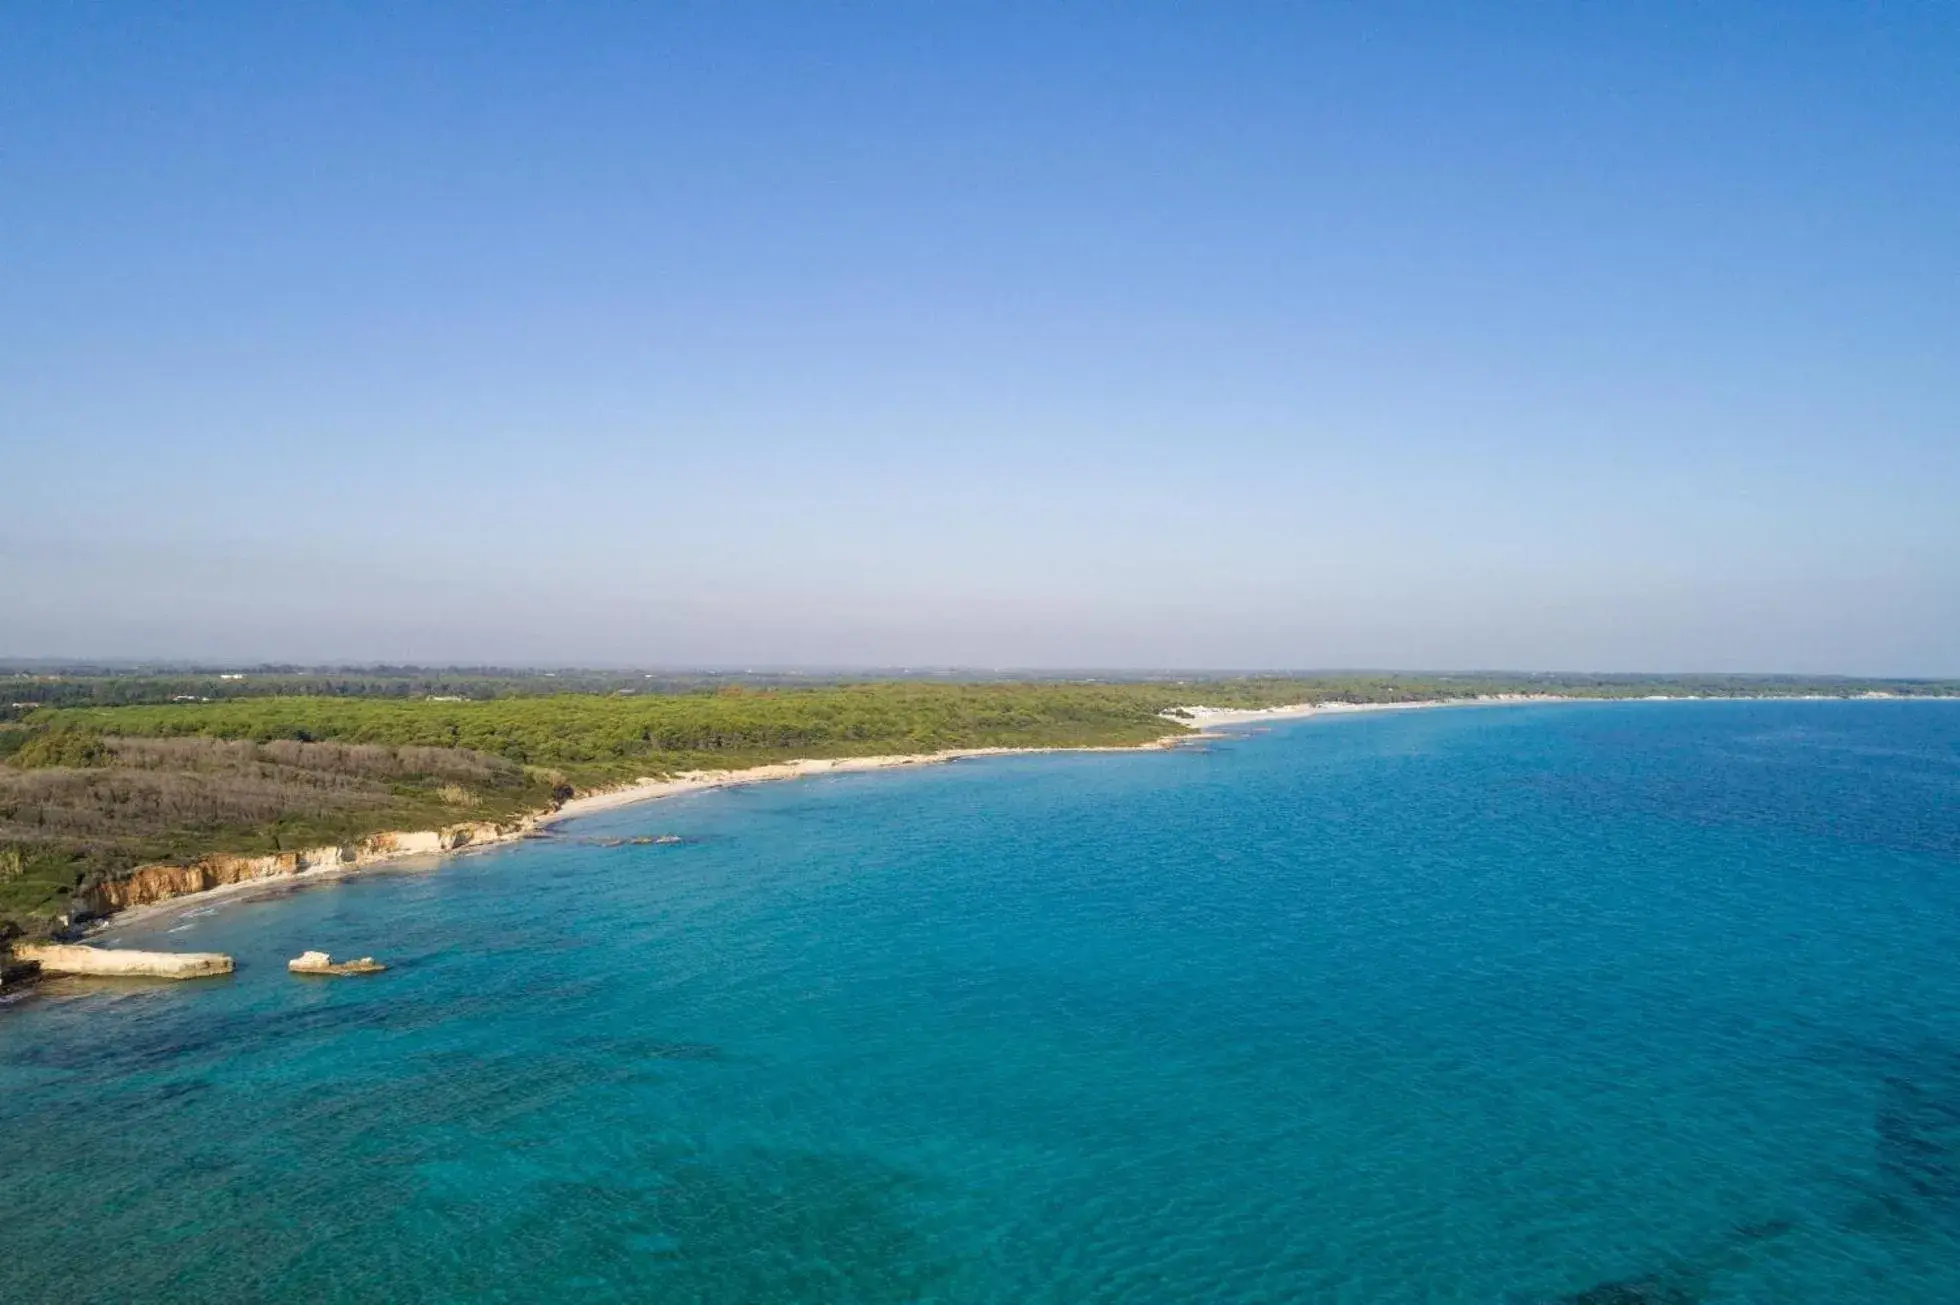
863,671
751,335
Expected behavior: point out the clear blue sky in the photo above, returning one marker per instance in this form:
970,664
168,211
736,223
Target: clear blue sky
1582,336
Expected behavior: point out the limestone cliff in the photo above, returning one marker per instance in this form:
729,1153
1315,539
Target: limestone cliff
158,883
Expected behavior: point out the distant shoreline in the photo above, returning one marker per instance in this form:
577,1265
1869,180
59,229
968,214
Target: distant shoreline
698,781
1209,718
271,874
433,844
1198,722
258,875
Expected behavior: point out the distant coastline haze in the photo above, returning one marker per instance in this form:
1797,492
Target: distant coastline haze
1246,337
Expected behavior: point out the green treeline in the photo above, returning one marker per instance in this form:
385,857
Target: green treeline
23,690
594,739
597,738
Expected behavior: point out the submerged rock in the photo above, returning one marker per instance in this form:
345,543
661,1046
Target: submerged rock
1685,1281
1918,1139
1634,1291
74,958
638,840
684,1051
1756,1232
322,963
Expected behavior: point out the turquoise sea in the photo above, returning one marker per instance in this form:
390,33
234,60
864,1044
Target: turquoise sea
1646,1002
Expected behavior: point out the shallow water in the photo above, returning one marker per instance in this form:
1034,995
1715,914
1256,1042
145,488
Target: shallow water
1501,1004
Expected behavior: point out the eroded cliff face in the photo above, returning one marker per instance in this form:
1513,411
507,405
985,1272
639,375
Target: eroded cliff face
159,883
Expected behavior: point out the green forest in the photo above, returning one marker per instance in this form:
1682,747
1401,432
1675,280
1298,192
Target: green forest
100,773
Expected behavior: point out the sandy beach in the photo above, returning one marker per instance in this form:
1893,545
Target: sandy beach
694,781
1209,718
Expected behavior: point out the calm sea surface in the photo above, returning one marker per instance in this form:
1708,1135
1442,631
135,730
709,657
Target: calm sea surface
1476,1005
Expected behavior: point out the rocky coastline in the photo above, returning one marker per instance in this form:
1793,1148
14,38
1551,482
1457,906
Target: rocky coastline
149,886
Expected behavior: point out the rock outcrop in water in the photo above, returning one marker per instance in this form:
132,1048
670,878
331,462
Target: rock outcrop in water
102,962
322,963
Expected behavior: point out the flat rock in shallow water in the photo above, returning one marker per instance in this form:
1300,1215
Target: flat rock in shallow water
73,958
322,963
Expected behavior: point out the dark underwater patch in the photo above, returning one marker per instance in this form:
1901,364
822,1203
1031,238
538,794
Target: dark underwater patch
792,1226
756,1227
1636,1291
695,1051
1768,1228
1916,1139
1684,1282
